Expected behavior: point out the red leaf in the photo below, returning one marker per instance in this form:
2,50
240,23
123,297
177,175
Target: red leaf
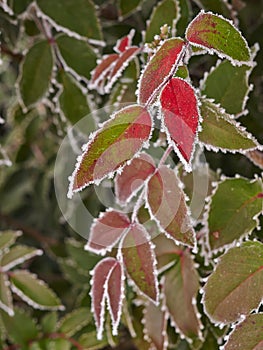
122,62
106,231
133,177
161,65
99,282
124,43
167,205
181,117
139,260
117,141
100,72
115,295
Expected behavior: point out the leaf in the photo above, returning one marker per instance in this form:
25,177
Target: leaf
162,64
165,12
34,291
218,35
180,117
19,6
155,324
117,141
99,291
139,259
237,277
8,238
221,131
49,322
60,344
78,16
6,302
74,321
125,42
77,54
35,73
83,259
181,285
132,178
73,102
247,334
233,212
167,205
106,231
89,341
21,328
217,6
17,255
126,7
232,91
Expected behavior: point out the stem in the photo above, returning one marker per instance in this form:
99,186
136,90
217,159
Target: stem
138,205
165,155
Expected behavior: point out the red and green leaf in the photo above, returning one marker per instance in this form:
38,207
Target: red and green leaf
180,117
139,259
181,285
218,35
162,64
106,231
117,141
133,177
235,287
167,205
124,43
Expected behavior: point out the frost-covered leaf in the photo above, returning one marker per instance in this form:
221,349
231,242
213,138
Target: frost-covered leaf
167,204
124,43
73,102
89,341
21,327
35,74
106,231
232,91
78,16
6,303
162,64
100,291
117,141
180,117
77,54
221,131
139,259
235,287
167,251
8,238
165,12
115,295
233,211
126,7
181,285
218,35
34,291
247,334
155,323
74,321
133,177
17,255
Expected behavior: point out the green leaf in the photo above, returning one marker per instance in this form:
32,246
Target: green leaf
17,255
218,35
116,142
35,73
247,334
73,102
77,54
221,131
232,91
34,291
6,302
126,7
79,16
217,6
89,341
165,12
8,238
184,15
233,212
82,258
21,327
49,322
60,344
75,275
75,321
235,287
181,286
19,6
